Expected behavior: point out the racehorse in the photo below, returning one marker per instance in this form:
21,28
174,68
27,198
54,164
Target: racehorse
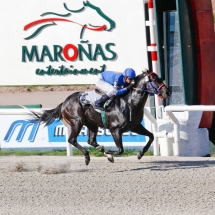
125,113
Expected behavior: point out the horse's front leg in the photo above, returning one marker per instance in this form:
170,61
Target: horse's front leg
117,136
139,129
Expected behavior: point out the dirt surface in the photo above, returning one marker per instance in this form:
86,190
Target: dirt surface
48,97
26,89
50,185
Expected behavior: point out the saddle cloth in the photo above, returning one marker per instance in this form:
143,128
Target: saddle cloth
89,97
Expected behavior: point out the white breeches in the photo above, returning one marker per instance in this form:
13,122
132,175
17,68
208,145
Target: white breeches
104,86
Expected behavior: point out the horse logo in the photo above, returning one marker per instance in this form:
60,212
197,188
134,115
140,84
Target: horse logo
52,21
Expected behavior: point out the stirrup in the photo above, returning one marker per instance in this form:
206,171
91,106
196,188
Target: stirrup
98,109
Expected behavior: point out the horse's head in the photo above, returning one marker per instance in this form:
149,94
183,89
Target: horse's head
100,13
154,85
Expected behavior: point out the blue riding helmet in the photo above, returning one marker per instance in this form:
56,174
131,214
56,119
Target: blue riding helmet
130,73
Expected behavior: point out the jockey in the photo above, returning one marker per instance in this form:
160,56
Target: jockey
113,84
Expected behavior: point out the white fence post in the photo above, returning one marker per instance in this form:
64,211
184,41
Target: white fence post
68,132
154,130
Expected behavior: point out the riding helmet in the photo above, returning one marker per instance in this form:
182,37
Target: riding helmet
130,73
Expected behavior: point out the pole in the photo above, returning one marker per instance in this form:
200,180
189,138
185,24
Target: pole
153,45
68,132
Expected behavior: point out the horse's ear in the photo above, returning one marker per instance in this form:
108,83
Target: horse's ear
145,72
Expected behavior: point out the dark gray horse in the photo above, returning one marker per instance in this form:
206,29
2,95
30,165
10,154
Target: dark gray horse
125,113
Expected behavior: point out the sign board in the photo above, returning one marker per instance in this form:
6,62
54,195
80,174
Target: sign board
70,42
18,132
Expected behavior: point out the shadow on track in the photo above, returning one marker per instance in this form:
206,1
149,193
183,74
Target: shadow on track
172,165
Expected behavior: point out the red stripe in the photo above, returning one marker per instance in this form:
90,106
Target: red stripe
44,20
60,19
162,85
151,73
154,56
153,44
150,4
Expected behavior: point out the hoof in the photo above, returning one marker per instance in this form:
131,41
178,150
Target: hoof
109,157
87,160
139,155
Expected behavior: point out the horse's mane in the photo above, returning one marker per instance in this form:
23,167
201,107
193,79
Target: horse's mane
139,78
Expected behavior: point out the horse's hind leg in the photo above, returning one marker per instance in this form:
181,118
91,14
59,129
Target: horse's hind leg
139,129
76,128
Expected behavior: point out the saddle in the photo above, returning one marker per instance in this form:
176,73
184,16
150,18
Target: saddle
89,98
99,92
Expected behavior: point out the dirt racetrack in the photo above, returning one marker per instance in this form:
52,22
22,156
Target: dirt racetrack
64,186
48,97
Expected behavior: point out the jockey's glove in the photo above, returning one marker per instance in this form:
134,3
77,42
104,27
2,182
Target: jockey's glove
129,87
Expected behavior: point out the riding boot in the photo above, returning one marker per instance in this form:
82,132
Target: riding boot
100,103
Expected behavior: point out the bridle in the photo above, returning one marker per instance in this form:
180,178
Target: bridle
154,89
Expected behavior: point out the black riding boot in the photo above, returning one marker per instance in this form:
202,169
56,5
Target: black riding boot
100,103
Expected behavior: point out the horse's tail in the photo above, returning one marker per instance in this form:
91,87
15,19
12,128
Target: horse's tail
48,116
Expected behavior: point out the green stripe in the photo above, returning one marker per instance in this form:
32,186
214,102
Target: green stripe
38,31
57,14
73,11
19,107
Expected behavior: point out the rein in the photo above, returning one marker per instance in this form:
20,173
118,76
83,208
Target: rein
154,90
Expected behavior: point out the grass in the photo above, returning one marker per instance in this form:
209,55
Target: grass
76,152
212,147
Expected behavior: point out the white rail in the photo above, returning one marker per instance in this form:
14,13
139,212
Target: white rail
156,133
23,111
26,111
170,109
190,108
176,133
